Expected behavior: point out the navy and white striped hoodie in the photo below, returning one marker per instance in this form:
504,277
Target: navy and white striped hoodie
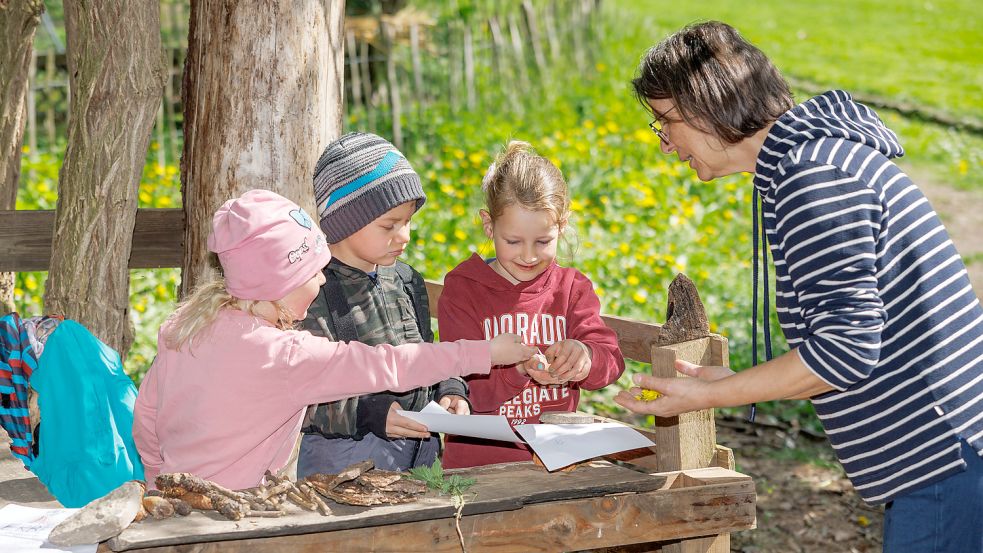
873,296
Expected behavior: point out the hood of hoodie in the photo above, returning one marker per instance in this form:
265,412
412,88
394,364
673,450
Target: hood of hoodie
479,270
834,115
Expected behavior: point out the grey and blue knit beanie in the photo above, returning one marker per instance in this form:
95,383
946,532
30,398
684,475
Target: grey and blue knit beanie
359,177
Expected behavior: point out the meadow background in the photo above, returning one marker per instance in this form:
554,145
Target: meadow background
639,217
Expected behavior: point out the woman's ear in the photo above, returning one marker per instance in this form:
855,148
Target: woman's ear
486,223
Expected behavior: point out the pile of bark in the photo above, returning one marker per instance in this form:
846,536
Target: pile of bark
359,484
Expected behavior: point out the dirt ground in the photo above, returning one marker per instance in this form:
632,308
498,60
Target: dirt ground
805,504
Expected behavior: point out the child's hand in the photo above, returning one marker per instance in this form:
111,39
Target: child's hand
508,349
398,426
536,368
455,405
571,360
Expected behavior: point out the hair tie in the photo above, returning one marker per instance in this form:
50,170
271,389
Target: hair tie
489,175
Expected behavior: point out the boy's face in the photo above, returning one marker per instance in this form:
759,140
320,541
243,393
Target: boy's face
379,242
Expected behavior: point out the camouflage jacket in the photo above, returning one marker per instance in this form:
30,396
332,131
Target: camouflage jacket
382,310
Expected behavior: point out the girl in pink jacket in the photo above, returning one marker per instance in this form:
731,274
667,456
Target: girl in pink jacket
225,397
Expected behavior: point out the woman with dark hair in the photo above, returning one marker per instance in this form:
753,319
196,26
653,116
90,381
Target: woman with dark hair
885,331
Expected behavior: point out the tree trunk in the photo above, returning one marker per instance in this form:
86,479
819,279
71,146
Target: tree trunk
116,79
18,21
262,98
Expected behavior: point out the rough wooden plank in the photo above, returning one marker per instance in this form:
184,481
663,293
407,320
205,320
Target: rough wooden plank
688,440
704,505
498,488
157,239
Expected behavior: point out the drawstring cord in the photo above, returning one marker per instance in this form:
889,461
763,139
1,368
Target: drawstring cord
766,311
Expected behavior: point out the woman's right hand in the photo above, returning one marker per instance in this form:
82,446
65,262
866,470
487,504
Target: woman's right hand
508,349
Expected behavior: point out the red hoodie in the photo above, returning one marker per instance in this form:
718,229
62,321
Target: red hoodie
477,303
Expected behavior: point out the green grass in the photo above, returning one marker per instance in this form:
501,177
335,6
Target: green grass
926,52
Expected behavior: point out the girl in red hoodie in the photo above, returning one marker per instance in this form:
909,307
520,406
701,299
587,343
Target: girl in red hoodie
522,290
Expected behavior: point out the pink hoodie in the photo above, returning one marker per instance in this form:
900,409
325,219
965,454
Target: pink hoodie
231,408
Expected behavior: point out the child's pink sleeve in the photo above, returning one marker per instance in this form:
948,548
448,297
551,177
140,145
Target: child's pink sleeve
321,370
586,325
456,322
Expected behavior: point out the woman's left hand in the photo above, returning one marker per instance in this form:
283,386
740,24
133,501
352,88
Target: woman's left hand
679,395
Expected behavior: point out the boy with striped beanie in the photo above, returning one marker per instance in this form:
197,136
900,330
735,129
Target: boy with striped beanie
366,193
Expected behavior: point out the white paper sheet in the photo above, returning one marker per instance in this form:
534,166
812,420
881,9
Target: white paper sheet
25,529
559,445
437,419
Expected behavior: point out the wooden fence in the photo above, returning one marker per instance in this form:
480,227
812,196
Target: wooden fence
397,66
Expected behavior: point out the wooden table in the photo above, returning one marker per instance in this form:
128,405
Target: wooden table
517,507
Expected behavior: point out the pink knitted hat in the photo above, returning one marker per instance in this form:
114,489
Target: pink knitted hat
268,246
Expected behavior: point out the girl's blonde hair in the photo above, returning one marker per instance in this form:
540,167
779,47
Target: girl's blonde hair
521,176
196,313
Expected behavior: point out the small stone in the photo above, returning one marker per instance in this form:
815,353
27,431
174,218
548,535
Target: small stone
101,518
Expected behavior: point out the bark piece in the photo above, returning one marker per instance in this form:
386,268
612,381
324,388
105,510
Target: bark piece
101,518
686,319
158,507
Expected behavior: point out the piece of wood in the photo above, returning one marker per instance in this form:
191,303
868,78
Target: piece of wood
704,502
565,417
685,441
157,239
686,318
354,72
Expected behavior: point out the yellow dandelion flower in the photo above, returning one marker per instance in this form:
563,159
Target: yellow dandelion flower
648,395
460,234
25,149
439,237
458,210
624,248
611,126
599,291
588,124
164,201
459,154
632,280
600,67
476,158
615,228
640,296
963,167
576,205
863,521
631,218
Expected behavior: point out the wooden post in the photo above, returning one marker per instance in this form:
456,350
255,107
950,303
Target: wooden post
367,85
549,23
520,57
470,100
353,70
392,79
32,115
418,91
688,441
535,39
50,70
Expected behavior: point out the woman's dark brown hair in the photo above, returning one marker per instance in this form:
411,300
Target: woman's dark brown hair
719,82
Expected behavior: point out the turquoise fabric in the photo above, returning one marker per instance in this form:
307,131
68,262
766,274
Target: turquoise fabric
86,402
